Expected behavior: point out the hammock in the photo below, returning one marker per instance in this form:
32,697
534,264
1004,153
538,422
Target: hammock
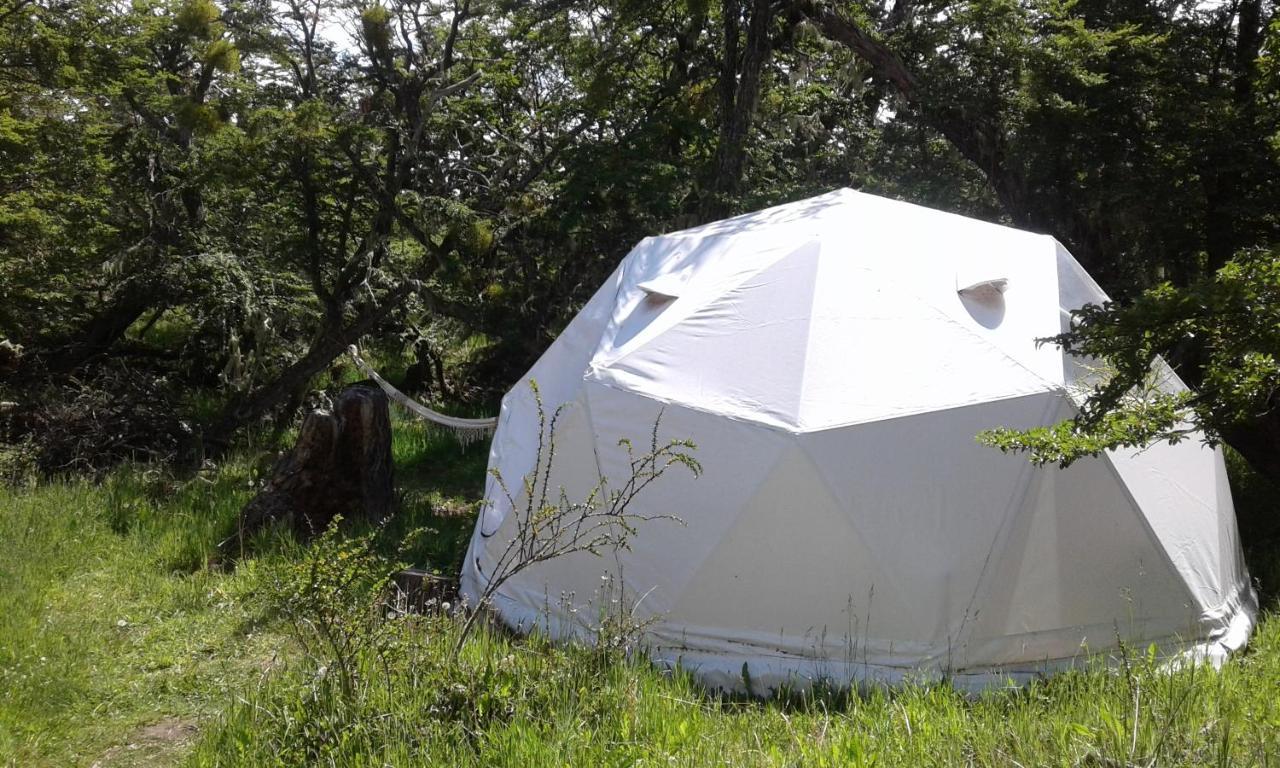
467,431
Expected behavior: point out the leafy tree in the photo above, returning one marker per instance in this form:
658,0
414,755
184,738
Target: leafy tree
1227,323
1142,135
220,195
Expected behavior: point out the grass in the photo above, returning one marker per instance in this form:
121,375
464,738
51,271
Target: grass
125,641
526,703
110,619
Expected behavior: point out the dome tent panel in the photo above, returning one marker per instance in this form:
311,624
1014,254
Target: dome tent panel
740,354
824,357
929,255
931,503
1076,287
1184,495
878,350
1078,572
707,265
793,563
665,554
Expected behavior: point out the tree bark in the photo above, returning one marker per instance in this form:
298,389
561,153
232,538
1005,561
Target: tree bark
739,97
1258,443
364,450
340,465
102,331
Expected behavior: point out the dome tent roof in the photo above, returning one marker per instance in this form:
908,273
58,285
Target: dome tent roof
833,359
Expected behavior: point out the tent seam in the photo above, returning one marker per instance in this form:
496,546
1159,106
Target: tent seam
796,429
1146,525
1016,502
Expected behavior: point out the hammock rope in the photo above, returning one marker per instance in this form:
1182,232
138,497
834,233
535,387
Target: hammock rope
467,431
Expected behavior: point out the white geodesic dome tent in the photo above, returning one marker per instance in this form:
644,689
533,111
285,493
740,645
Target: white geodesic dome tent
833,359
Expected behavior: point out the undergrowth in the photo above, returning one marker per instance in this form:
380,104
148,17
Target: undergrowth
529,703
117,612
111,615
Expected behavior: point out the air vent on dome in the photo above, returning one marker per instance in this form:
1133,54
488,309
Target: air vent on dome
982,294
666,286
986,288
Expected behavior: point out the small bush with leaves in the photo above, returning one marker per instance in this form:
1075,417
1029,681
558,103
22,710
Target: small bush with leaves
333,601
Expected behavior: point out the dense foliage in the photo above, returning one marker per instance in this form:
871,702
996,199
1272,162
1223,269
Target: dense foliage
1226,325
202,202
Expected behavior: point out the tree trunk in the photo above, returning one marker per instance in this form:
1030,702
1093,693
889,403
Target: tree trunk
101,332
363,450
340,465
739,96
216,438
1258,442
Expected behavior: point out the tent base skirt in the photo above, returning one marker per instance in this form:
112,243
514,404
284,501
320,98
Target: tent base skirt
759,667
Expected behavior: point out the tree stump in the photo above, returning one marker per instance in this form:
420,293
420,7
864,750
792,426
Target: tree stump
340,465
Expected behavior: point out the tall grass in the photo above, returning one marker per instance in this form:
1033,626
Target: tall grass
528,703
117,611
110,616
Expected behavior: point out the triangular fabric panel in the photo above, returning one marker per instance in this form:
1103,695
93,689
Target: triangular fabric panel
1075,290
878,350
929,255
735,457
930,502
1079,570
789,550
741,354
1179,489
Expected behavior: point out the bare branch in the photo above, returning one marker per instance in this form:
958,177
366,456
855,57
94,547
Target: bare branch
602,522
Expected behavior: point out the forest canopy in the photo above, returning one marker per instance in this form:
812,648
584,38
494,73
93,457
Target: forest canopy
203,203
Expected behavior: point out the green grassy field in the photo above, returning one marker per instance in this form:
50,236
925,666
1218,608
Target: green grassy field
126,640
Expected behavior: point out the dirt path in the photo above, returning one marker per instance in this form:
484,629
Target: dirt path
160,743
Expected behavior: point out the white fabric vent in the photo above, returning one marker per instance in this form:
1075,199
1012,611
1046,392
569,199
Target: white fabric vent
668,286
986,287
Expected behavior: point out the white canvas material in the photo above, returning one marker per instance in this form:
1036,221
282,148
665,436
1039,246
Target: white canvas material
833,359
